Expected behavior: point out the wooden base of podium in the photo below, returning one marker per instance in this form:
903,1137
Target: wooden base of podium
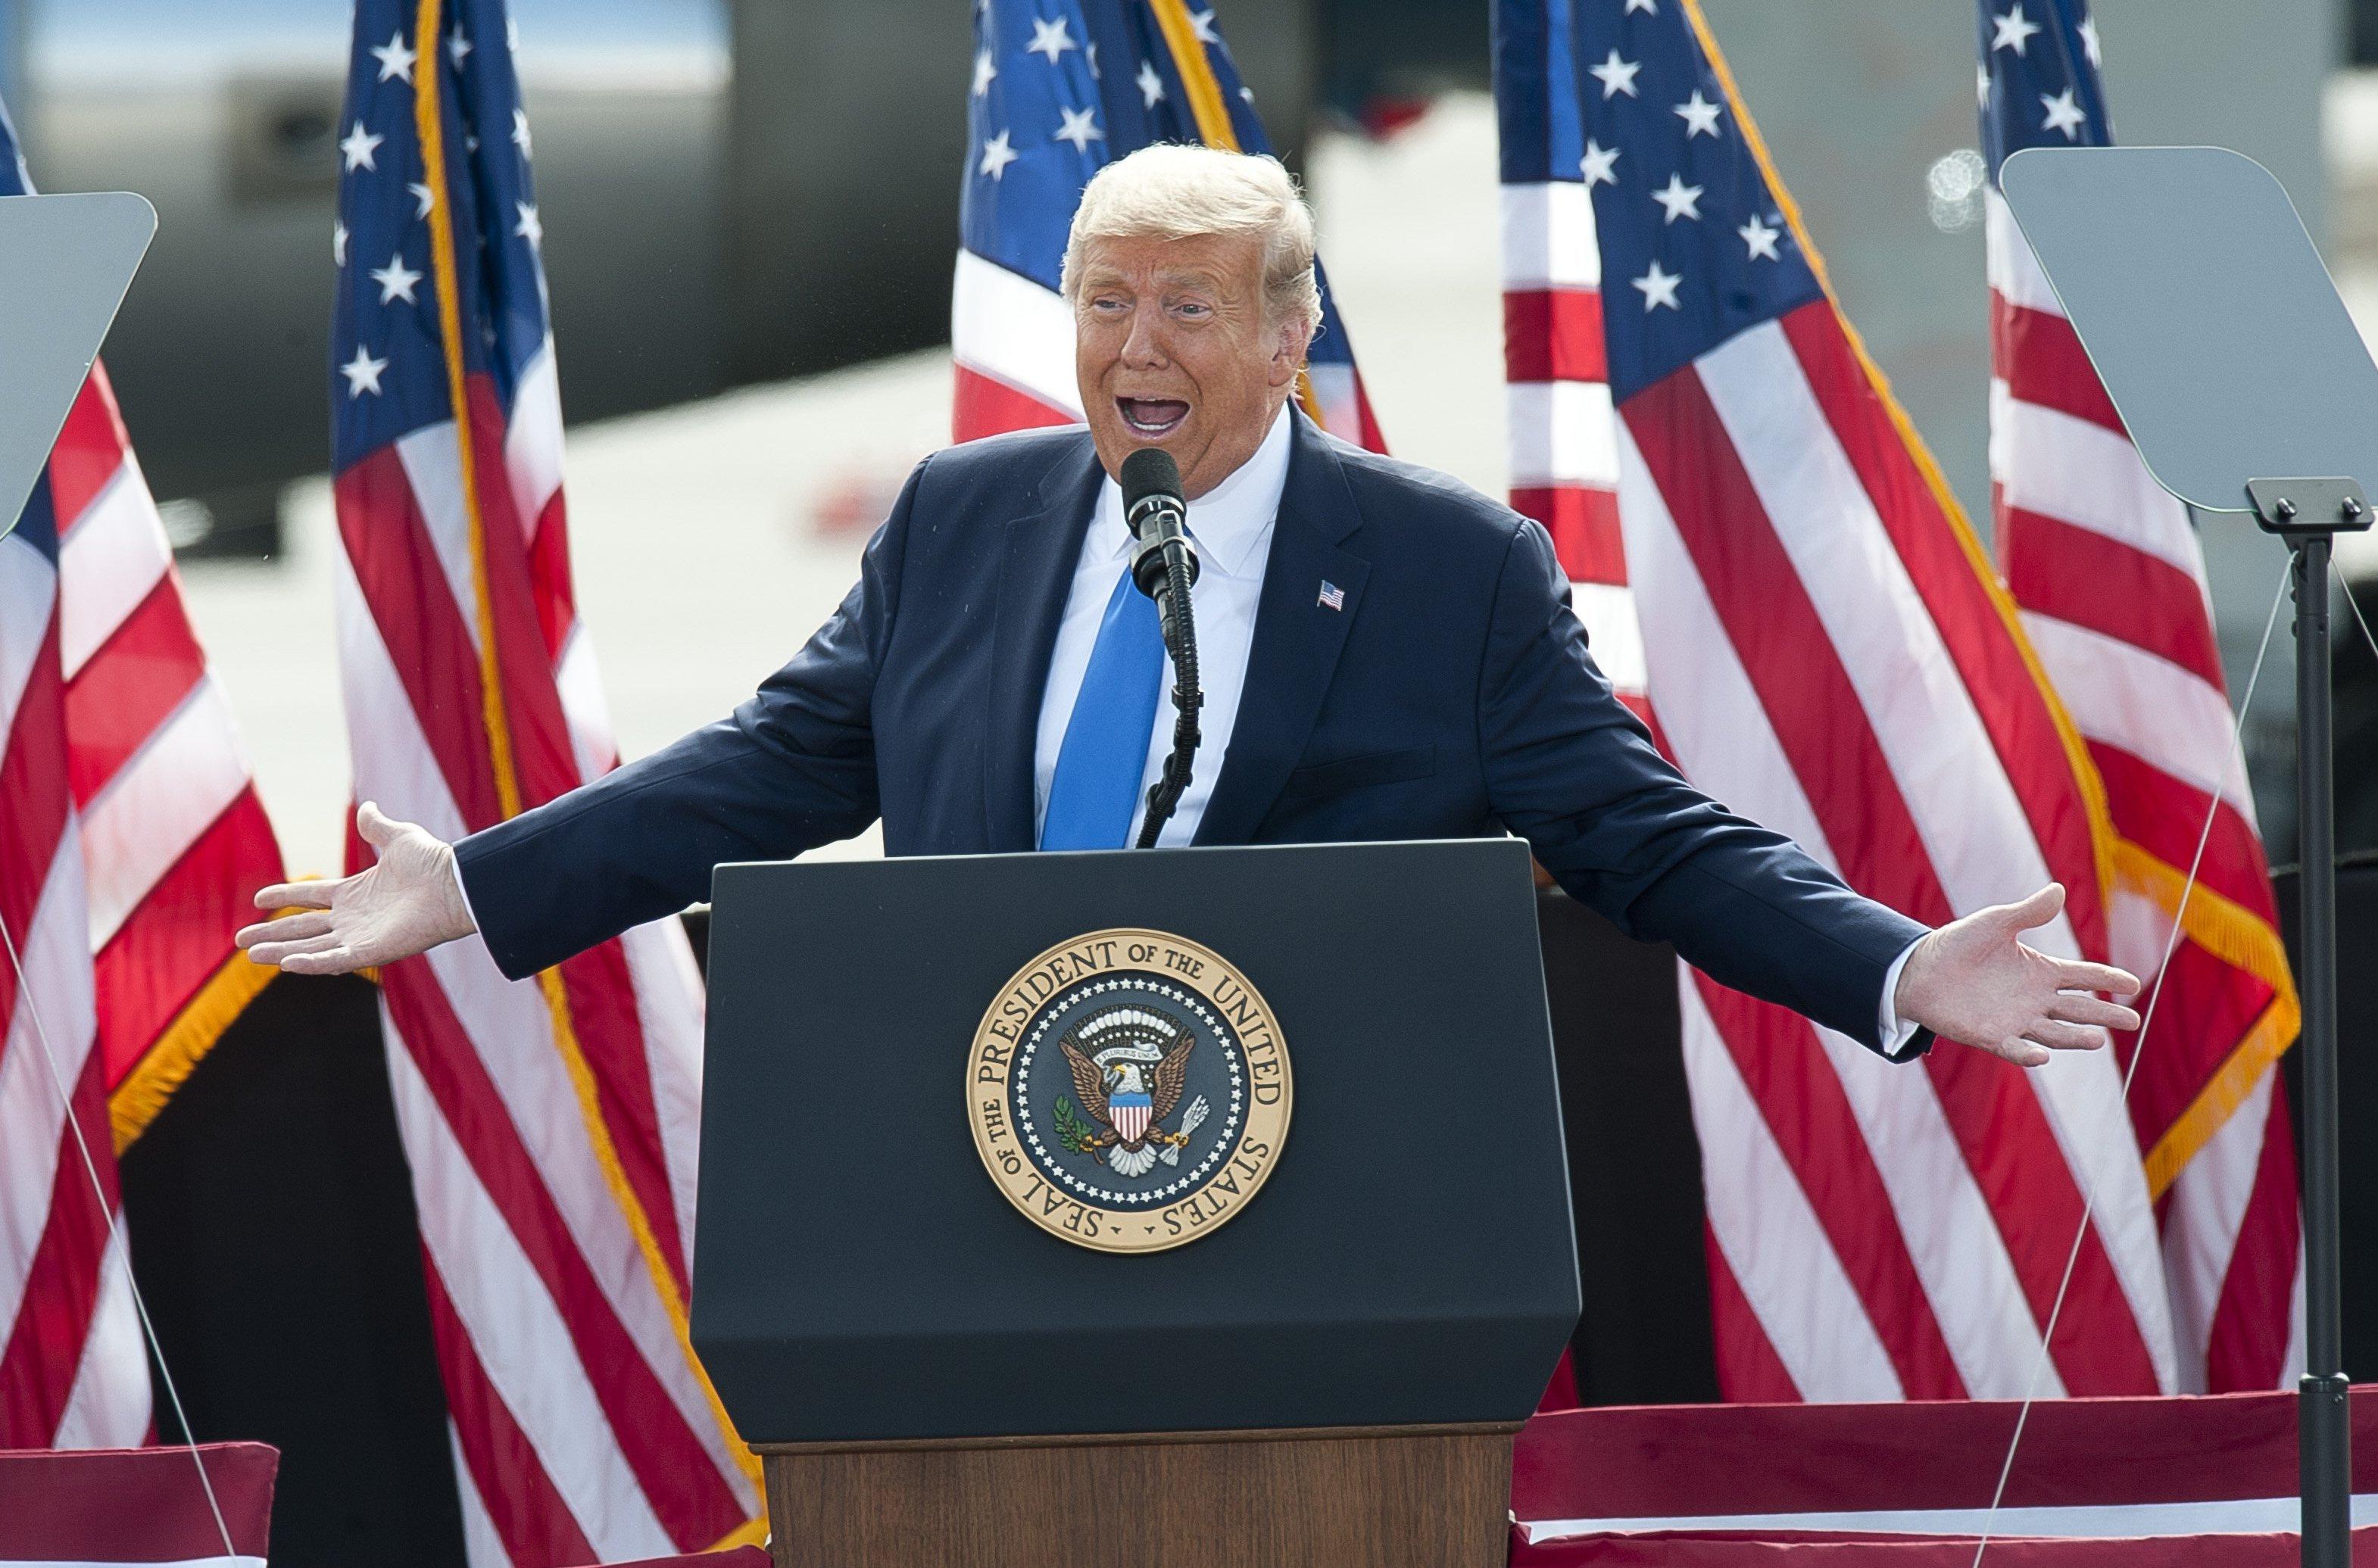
1380,1496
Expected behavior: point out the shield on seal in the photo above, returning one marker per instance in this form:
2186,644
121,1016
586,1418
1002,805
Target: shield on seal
1129,1113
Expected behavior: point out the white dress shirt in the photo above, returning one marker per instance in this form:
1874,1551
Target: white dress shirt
1230,526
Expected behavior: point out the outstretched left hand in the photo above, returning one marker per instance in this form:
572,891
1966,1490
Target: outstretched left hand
1975,981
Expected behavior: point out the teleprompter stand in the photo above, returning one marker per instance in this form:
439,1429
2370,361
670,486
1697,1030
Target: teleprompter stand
2266,388
1332,1375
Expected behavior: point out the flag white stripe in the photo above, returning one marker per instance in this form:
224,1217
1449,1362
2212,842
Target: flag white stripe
1613,631
1010,327
482,1546
433,466
518,1334
108,1405
1772,1242
511,1032
580,681
1548,238
2124,696
532,440
2013,270
1561,432
58,975
1727,745
2206,1213
670,1005
111,561
241,1561
2078,472
185,775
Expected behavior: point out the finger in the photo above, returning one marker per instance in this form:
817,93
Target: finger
2058,1036
330,960
2080,1007
289,927
380,828
299,895
2022,1052
278,952
2073,974
2033,911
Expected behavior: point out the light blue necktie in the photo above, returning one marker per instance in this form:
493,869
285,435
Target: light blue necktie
1105,753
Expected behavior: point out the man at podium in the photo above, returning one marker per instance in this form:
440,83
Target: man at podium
1386,655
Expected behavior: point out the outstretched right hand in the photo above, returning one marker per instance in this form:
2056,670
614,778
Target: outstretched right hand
409,903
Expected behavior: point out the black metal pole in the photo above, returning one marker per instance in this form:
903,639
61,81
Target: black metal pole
2323,1438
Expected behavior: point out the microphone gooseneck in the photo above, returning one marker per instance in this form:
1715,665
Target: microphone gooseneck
1164,563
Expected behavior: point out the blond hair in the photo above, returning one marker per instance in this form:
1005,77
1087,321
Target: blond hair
1169,191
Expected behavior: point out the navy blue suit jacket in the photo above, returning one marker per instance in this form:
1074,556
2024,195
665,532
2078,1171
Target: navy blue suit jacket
1452,696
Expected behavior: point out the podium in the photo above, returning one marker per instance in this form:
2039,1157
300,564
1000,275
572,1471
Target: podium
1199,1207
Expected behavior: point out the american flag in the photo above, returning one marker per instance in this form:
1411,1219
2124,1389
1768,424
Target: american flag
1060,87
2106,568
550,1124
129,837
1821,645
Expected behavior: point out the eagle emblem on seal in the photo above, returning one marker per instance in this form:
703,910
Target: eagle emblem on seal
1130,1065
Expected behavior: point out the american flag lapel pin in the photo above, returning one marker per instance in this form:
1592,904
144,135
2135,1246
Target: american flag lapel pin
1333,597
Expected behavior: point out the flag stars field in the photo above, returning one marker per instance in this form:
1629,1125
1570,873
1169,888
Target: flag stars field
1050,40
1658,289
1151,86
1080,129
1699,115
997,154
1599,164
363,373
395,59
395,281
1617,75
1760,237
357,147
2014,31
1678,199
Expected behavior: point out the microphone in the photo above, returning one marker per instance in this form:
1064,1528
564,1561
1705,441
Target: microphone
1157,516
1163,565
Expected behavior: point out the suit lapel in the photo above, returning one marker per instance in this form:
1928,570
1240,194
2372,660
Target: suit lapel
1040,552
1297,638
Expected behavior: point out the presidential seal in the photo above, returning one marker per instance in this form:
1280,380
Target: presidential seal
1128,1090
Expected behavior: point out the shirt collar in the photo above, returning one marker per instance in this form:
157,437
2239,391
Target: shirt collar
1230,520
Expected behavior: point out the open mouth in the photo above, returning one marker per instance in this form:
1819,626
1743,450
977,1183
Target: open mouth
1152,418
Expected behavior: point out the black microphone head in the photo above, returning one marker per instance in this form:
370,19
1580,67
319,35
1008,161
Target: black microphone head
1149,472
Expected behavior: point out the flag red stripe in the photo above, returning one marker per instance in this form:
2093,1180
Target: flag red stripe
2012,707
2164,816
603,1010
131,1506
1801,1099
44,1346
2247,1348
1822,726
548,568
2042,360
179,934
91,446
530,1517
428,642
1583,522
33,783
2208,1007
984,405
2081,576
1747,1368
1553,335
678,1478
136,678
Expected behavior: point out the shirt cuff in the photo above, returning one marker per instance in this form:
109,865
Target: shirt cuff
1903,1039
463,891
